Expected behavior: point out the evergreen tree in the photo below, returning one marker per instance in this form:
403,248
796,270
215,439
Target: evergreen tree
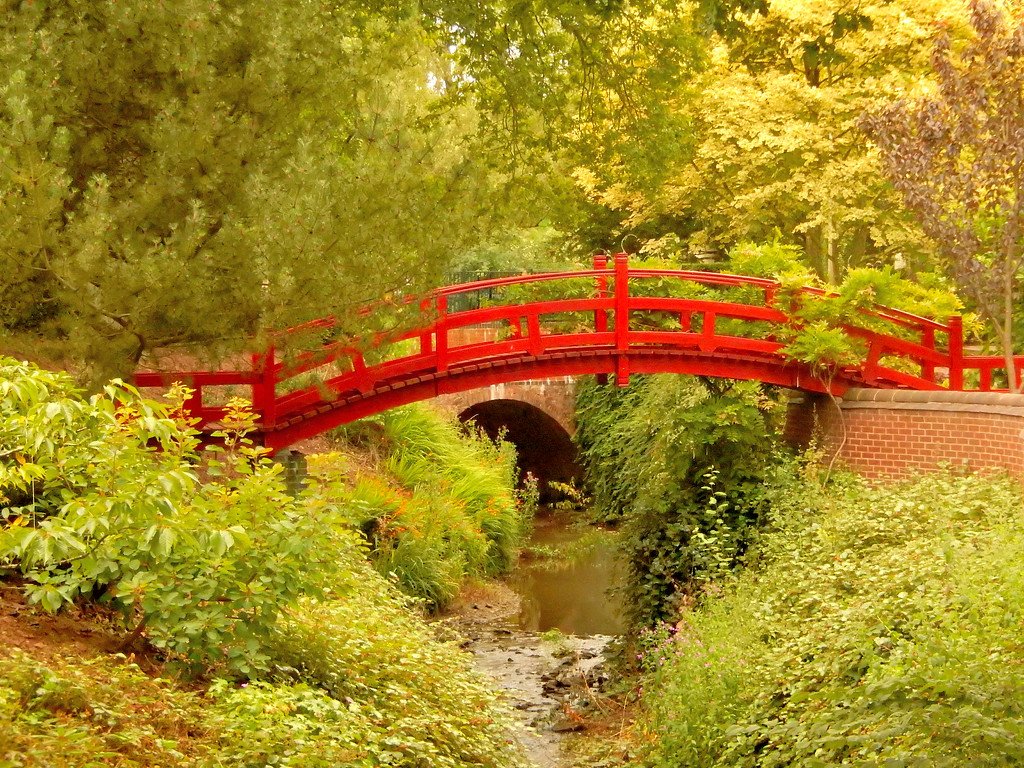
197,171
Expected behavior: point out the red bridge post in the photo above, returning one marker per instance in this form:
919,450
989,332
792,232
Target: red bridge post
264,388
927,368
956,353
601,315
426,342
622,319
441,333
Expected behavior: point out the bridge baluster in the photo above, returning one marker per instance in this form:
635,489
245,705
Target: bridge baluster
707,342
441,332
601,315
264,388
426,340
193,404
928,368
869,372
622,319
533,328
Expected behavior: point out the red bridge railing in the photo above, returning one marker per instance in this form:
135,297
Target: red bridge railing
611,319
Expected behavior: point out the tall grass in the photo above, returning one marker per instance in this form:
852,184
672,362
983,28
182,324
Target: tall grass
441,505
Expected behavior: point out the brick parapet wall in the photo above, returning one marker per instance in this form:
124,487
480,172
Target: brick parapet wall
894,433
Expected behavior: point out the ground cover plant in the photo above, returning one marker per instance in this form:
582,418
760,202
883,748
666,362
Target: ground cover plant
359,681
871,627
299,652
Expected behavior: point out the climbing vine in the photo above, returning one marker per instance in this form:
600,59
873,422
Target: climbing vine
681,462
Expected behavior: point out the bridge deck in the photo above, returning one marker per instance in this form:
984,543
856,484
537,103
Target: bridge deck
605,321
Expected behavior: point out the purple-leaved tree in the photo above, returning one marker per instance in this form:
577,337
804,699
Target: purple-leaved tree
957,157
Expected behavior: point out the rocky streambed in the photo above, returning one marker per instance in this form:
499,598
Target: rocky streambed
543,636
555,683
552,685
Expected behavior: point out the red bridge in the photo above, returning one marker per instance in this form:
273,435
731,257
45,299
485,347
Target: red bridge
617,320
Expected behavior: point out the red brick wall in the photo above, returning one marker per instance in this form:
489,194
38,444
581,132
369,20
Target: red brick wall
895,433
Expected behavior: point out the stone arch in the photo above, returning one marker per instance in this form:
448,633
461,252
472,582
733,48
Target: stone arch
546,450
555,397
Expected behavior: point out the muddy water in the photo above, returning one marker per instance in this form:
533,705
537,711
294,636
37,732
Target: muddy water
552,682
569,591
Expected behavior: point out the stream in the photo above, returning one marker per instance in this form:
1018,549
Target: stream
542,636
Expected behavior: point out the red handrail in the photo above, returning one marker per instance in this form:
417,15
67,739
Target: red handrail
609,343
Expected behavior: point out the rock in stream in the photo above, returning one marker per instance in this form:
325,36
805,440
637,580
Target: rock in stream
549,684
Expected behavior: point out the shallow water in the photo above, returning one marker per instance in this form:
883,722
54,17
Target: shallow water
572,595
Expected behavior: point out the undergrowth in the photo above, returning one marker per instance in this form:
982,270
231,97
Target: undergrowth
300,653
358,681
871,627
438,507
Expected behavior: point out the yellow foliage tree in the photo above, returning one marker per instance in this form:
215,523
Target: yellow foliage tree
775,145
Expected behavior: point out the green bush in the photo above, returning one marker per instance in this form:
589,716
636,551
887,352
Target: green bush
442,506
100,498
95,712
360,682
227,575
872,627
414,699
682,463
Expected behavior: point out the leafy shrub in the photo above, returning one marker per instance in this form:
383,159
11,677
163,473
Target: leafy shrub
682,463
101,499
874,626
366,686
414,699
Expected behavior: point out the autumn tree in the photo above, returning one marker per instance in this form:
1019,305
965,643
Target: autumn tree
773,145
958,159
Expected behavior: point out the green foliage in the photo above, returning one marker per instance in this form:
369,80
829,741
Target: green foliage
360,682
682,463
872,626
765,140
775,260
230,576
952,156
411,699
90,509
816,337
95,712
209,170
611,445
442,507
478,476
213,169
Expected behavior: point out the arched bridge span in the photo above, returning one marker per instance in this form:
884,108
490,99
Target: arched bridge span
609,320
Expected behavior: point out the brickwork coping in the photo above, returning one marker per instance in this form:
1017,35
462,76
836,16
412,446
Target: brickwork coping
962,402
